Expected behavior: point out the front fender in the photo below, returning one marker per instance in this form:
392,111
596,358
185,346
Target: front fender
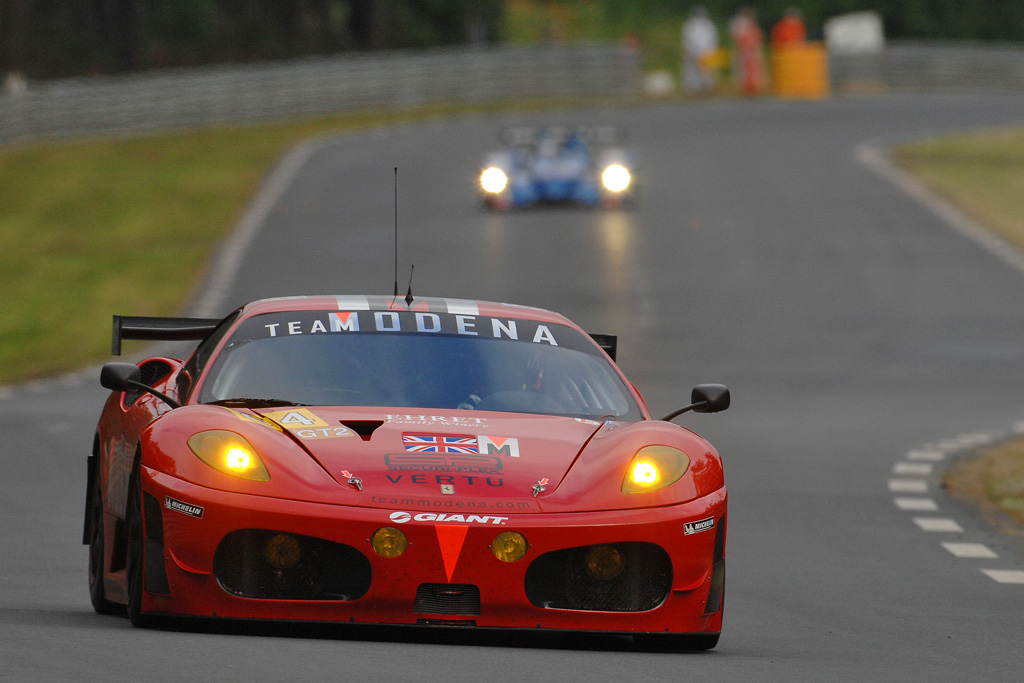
594,482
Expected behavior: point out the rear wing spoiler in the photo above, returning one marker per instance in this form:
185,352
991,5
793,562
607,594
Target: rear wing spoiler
608,342
196,329
160,329
527,136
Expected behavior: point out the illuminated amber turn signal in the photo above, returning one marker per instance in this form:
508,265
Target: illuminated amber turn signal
229,453
653,468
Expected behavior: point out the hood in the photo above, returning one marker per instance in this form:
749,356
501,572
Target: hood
458,462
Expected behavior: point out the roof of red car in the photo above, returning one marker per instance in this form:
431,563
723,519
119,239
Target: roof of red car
363,302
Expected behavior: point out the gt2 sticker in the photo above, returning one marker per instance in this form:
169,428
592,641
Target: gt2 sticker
183,508
403,517
323,433
697,527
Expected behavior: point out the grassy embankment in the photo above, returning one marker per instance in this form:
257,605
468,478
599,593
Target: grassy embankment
983,174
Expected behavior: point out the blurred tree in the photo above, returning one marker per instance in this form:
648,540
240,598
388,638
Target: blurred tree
55,38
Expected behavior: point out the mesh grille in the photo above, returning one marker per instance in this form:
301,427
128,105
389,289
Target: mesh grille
560,580
325,570
154,370
447,598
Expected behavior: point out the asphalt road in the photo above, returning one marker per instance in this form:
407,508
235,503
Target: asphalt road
856,330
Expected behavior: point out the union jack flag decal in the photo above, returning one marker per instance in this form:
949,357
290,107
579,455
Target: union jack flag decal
437,443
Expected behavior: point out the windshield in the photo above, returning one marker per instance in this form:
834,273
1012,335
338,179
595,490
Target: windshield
421,360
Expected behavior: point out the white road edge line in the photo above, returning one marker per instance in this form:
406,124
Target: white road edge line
224,268
875,159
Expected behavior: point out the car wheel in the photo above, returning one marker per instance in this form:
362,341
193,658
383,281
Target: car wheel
135,562
97,548
676,642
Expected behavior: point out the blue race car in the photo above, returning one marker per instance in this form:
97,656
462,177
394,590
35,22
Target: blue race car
558,165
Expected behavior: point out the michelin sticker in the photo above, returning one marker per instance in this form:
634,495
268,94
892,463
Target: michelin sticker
697,527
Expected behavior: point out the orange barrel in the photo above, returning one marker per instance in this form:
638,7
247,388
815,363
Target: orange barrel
800,70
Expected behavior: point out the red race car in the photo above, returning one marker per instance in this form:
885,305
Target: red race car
397,461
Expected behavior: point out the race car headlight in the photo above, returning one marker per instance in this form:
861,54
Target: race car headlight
493,180
229,453
653,468
615,178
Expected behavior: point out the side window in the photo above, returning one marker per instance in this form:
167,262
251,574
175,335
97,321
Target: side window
199,358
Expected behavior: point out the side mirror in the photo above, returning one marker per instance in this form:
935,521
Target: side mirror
119,376
126,377
705,398
709,398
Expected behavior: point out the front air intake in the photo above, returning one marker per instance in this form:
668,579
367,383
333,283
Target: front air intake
640,579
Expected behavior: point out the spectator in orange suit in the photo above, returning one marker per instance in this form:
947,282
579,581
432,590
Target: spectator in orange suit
789,29
748,42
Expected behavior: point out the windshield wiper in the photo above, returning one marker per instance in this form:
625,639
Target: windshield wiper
254,403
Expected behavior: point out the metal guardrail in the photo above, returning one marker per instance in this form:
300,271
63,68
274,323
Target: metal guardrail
922,65
259,92
322,85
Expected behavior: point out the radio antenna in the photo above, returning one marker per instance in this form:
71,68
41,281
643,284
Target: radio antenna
408,295
396,233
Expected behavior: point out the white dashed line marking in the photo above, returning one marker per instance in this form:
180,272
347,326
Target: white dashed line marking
1004,575
938,524
908,485
968,440
970,550
931,455
912,468
916,504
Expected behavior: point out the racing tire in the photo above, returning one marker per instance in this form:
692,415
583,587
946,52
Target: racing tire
97,550
676,642
135,562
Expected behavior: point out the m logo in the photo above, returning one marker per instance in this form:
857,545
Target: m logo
498,445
